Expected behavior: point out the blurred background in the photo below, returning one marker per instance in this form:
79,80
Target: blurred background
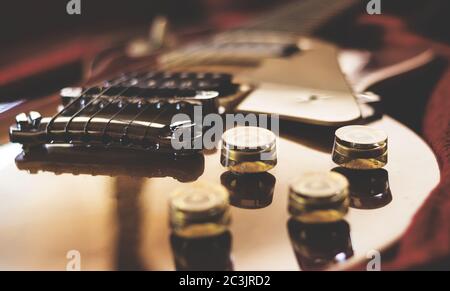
24,22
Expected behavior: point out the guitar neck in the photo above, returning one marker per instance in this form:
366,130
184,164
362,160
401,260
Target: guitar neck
302,17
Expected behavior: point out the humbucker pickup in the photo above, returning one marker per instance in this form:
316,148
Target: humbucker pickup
132,111
162,85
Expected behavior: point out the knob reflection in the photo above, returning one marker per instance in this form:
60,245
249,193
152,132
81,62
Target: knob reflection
318,246
369,189
249,191
211,253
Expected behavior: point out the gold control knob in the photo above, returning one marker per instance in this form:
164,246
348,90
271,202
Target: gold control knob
360,147
319,197
199,209
248,149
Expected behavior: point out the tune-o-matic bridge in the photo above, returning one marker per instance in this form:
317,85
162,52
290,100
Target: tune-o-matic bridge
134,111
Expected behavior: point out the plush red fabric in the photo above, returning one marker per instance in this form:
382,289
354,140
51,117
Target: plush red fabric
54,56
426,244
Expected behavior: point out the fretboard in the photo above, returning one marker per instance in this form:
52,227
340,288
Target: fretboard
301,17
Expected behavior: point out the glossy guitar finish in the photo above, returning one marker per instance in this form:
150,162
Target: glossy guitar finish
112,206
109,218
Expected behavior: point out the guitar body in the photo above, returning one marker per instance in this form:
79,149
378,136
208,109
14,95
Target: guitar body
112,205
121,222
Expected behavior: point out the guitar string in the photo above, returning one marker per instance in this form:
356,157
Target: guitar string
269,20
48,129
175,62
121,110
76,100
111,100
116,81
66,127
49,125
178,61
183,60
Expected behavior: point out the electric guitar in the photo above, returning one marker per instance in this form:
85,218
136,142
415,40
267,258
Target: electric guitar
95,176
